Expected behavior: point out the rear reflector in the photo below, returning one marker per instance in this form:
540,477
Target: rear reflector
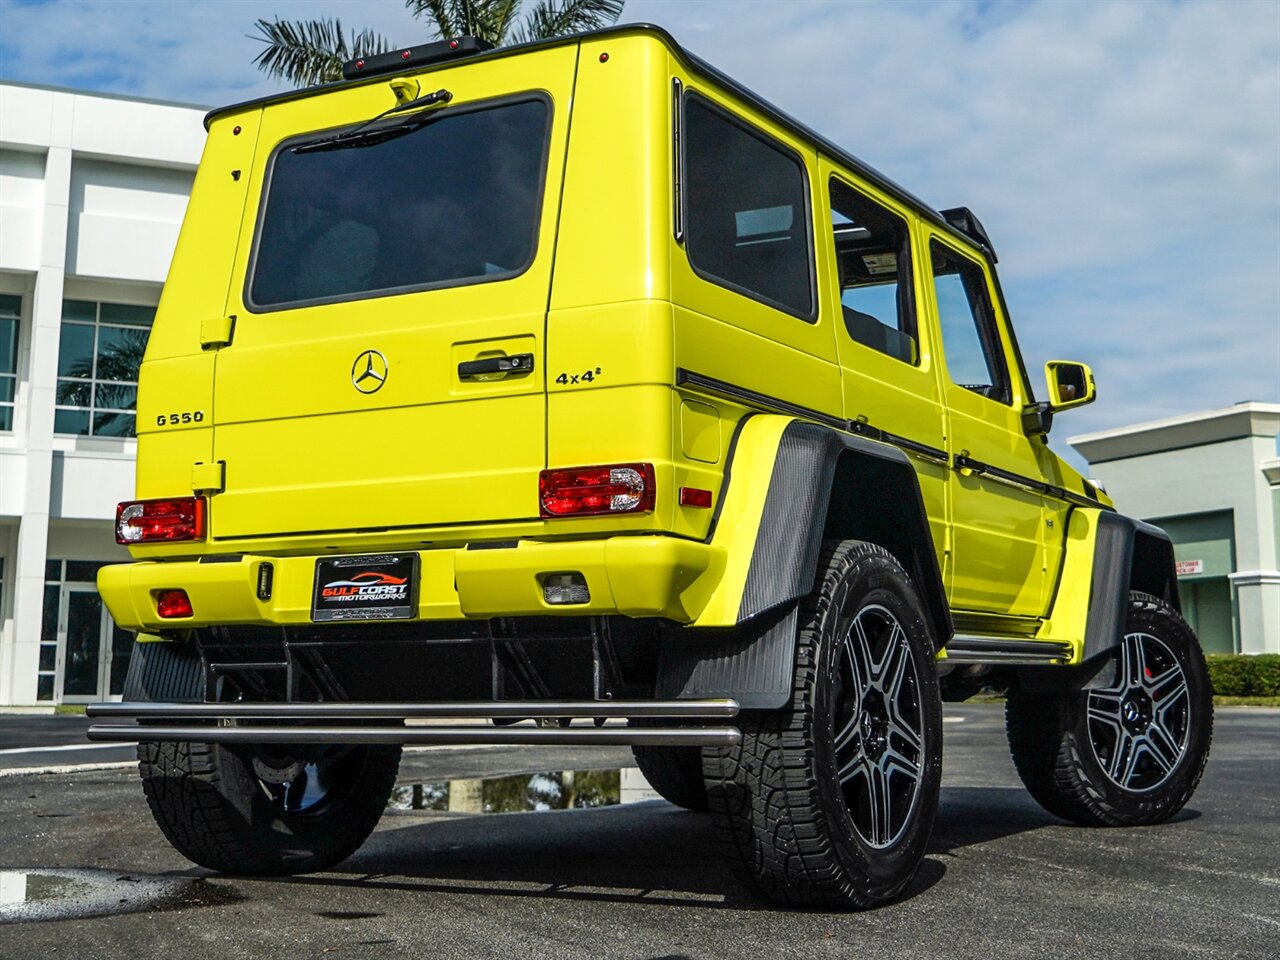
588,491
160,521
693,497
173,604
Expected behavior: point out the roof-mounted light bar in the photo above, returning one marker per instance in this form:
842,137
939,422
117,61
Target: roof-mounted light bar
418,56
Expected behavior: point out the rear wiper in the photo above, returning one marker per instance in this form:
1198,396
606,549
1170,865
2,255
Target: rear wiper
362,136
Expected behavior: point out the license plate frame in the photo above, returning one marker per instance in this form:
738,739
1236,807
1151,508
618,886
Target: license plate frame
381,586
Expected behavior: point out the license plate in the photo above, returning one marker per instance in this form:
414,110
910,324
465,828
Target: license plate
383,587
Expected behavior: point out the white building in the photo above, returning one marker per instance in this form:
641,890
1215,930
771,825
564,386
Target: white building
1212,481
92,193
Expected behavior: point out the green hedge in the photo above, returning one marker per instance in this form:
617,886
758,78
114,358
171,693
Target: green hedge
1237,675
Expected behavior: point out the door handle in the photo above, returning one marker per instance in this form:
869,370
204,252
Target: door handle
516,363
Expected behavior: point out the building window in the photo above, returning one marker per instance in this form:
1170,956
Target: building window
95,652
10,310
99,352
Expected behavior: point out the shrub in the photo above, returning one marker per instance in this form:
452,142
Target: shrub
1245,675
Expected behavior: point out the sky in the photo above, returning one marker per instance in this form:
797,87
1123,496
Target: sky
1123,156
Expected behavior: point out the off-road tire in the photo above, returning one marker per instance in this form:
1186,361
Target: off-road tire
676,773
780,810
1049,736
215,811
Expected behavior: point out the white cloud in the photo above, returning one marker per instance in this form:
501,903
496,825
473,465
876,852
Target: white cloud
1125,157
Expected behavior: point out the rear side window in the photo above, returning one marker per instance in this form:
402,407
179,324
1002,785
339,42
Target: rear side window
452,200
970,340
746,210
873,254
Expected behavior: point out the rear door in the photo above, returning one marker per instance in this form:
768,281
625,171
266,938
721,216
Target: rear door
377,272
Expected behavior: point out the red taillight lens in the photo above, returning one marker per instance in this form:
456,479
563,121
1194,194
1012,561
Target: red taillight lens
694,497
160,521
173,604
587,491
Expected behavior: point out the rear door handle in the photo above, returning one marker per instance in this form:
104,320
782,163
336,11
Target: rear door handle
516,363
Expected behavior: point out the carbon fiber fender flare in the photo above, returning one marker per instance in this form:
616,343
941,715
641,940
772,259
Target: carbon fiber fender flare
1128,554
824,484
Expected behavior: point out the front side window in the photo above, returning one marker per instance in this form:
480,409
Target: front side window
10,310
446,199
746,210
100,348
873,256
970,340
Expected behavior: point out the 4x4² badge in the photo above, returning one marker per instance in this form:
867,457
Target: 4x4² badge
369,372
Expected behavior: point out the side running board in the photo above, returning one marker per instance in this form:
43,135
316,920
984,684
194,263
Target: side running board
1003,651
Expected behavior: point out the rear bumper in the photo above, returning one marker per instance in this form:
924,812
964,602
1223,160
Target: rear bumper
640,576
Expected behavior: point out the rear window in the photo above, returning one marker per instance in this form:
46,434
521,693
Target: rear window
454,200
746,210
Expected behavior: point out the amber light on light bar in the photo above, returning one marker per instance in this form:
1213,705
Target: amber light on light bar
169,520
591,491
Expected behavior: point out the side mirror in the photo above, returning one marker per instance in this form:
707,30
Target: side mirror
1070,384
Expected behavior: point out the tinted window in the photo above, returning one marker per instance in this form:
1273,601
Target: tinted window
873,253
453,200
746,225
970,341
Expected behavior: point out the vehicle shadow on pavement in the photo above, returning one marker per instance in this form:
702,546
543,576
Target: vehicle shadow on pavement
648,852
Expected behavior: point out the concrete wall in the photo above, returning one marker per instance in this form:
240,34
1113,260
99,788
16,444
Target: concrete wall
92,193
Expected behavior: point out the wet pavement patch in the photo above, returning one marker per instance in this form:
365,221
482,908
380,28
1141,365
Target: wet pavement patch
39,894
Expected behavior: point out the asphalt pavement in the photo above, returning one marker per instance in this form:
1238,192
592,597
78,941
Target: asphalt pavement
644,880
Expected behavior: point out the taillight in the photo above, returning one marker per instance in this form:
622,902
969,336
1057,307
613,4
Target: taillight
160,521
173,604
586,491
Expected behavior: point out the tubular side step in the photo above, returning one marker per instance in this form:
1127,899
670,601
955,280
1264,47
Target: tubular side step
1000,650
576,736
473,709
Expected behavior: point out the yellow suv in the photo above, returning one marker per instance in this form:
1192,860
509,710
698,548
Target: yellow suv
572,383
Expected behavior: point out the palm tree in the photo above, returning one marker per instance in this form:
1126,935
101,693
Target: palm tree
307,52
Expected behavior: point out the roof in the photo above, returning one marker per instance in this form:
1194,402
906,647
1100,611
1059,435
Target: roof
105,96
693,62
1250,418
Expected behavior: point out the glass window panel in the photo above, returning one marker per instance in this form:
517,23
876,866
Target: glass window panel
970,341
6,418
48,657
75,350
71,421
85,310
120,351
84,569
49,620
75,393
44,687
435,204
121,651
84,644
8,345
746,210
53,569
10,305
130,313
114,425
115,396
8,386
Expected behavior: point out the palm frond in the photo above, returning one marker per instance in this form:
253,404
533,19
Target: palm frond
555,18
488,19
307,52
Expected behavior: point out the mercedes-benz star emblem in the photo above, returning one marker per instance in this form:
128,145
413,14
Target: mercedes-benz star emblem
369,372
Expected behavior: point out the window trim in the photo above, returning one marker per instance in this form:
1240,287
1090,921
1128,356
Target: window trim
906,283
492,103
682,146
12,405
989,334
